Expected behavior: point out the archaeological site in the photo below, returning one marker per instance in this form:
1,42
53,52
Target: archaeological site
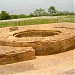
37,48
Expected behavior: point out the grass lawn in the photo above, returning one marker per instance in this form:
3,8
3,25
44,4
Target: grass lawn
70,18
38,21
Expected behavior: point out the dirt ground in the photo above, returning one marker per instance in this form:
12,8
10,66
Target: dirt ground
57,64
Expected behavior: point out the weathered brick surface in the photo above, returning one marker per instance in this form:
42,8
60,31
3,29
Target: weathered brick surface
13,29
15,54
44,46
60,40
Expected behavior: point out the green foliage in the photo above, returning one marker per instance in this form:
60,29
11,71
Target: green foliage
52,10
22,16
40,12
31,15
4,15
60,13
14,16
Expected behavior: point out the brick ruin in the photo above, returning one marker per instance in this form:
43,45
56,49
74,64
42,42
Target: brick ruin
19,45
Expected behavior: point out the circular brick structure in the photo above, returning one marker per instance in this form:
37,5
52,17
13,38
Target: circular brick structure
36,33
47,41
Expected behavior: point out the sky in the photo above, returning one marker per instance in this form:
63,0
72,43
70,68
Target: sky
28,6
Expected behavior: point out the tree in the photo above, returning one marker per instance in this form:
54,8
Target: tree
21,16
31,15
65,13
71,13
14,16
40,12
52,10
4,15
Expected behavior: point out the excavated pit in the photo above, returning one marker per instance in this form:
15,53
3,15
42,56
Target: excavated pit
41,42
36,33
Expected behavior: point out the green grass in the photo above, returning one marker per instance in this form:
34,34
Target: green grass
70,18
28,22
38,21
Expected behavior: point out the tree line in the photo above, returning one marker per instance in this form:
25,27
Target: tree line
38,12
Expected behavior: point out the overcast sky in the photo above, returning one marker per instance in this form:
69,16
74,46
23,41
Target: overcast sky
28,6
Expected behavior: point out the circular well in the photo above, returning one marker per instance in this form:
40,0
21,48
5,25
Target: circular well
36,33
